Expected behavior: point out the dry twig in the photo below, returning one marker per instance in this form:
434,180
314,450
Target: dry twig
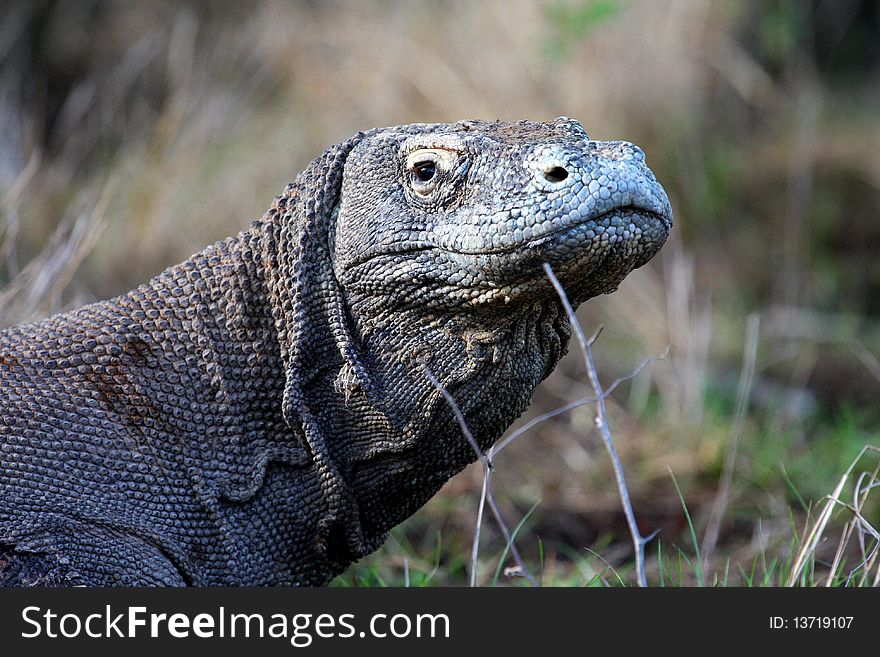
486,459
486,495
639,541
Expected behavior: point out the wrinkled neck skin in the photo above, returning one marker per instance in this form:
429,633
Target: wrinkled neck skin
490,362
483,360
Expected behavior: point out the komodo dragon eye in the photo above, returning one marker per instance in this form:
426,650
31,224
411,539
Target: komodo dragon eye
425,170
426,166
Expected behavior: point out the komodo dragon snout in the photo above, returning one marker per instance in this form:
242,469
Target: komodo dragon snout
264,412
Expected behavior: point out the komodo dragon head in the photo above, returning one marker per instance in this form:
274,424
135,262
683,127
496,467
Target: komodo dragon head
460,218
422,258
267,410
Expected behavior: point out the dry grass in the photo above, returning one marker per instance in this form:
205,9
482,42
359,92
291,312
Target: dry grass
858,529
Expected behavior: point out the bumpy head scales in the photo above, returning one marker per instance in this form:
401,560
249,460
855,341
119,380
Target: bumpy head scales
466,214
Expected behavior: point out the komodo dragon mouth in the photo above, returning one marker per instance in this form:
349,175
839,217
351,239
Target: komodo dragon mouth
617,224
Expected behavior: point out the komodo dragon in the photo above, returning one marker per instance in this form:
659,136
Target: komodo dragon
262,413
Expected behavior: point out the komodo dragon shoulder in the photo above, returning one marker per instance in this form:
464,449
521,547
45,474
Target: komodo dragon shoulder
263,413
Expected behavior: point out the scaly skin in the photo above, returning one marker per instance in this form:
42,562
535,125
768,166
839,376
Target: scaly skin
261,413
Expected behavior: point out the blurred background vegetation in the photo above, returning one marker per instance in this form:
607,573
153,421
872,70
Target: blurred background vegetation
133,134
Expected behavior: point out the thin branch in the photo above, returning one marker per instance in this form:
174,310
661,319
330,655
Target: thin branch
508,537
459,416
576,403
495,449
486,459
475,549
639,541
486,494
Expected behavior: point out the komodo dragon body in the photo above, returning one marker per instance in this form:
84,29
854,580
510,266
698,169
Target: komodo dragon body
264,413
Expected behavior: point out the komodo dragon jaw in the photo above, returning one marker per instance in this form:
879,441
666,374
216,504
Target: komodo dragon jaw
262,413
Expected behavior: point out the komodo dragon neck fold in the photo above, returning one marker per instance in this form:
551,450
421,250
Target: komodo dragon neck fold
261,413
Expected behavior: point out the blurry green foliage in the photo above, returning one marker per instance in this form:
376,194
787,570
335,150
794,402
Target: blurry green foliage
571,22
779,28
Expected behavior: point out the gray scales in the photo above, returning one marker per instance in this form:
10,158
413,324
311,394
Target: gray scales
261,413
